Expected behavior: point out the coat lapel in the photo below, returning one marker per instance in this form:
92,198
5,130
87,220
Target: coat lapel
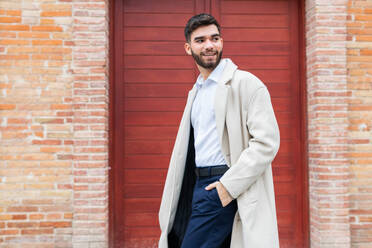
182,142
187,113
190,100
185,134
221,97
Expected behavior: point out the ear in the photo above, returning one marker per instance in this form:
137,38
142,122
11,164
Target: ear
187,48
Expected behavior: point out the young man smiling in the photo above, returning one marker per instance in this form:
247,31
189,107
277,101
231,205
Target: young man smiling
219,188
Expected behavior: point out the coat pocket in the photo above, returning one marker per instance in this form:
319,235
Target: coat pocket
247,207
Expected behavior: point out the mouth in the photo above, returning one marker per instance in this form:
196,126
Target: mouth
209,54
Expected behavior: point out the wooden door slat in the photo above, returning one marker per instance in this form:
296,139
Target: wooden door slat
254,21
156,19
254,7
168,75
151,6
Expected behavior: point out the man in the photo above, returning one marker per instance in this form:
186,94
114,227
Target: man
219,188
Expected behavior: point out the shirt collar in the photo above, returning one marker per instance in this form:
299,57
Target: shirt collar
214,76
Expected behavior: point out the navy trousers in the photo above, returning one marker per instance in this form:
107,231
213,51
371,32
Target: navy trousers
210,224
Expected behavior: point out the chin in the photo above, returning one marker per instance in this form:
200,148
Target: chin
210,62
211,66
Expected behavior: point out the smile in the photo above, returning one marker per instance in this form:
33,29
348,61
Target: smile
209,55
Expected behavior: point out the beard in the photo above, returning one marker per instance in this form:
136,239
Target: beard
207,65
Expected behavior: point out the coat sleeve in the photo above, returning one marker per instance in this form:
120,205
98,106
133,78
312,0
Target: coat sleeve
262,146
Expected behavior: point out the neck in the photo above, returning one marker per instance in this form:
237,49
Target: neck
204,72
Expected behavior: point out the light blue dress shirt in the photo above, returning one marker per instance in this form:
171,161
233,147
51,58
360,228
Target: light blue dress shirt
207,144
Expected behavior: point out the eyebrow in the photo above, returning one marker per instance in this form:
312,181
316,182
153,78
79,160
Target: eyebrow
201,37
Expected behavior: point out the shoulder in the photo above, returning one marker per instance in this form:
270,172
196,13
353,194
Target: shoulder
248,79
246,83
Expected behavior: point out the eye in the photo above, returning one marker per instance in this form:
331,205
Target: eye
199,41
216,38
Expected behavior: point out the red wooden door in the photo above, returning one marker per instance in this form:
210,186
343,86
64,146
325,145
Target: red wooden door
152,78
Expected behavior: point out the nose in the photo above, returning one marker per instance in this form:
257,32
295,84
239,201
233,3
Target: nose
208,44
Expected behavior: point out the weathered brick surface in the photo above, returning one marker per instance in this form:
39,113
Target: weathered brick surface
53,123
90,112
359,59
328,125
339,62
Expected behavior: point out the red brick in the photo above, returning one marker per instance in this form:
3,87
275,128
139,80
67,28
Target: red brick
53,216
68,216
47,28
37,231
38,35
15,27
9,232
22,224
7,106
19,217
56,224
47,142
10,19
38,202
36,216
55,13
46,42
22,209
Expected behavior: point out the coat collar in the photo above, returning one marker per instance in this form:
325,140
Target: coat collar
227,75
215,75
228,72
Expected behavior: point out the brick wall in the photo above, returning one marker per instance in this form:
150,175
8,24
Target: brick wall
327,96
339,62
90,125
359,59
53,123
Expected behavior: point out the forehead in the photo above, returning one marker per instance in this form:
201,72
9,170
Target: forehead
204,31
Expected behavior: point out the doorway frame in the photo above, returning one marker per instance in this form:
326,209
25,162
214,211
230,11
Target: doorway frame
116,139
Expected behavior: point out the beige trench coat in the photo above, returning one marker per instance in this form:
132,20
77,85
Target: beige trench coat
249,137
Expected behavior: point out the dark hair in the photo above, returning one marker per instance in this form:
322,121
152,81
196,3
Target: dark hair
197,21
